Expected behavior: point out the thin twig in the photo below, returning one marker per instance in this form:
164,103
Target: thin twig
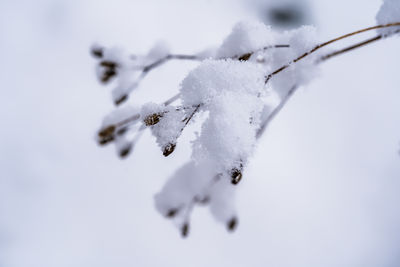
275,112
169,57
291,92
269,76
187,120
246,56
349,48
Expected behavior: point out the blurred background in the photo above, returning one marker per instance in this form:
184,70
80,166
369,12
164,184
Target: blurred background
322,189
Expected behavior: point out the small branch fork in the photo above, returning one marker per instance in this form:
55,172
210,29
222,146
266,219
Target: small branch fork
269,76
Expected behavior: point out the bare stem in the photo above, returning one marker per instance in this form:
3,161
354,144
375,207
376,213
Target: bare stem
352,47
269,76
275,112
291,92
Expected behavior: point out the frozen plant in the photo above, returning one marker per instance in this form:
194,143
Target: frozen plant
239,88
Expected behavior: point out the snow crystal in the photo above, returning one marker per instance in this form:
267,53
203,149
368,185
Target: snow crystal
228,134
389,13
213,77
246,37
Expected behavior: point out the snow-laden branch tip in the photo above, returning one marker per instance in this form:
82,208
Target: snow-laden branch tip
239,88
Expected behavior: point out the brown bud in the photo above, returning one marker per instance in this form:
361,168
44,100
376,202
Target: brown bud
106,140
108,64
171,213
168,149
97,52
152,119
121,100
185,229
124,152
245,57
107,131
236,175
107,75
232,224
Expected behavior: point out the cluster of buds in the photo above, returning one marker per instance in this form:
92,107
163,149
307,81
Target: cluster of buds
106,135
107,68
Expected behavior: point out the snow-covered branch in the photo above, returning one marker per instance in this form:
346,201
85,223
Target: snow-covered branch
239,87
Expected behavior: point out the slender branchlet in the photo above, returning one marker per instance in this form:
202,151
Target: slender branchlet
352,47
290,93
317,47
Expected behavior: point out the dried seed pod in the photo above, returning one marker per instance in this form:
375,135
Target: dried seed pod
107,131
185,229
108,64
124,152
97,52
152,119
171,213
232,224
236,175
108,74
106,140
168,149
245,57
121,100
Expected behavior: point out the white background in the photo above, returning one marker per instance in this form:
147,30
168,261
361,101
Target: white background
322,189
